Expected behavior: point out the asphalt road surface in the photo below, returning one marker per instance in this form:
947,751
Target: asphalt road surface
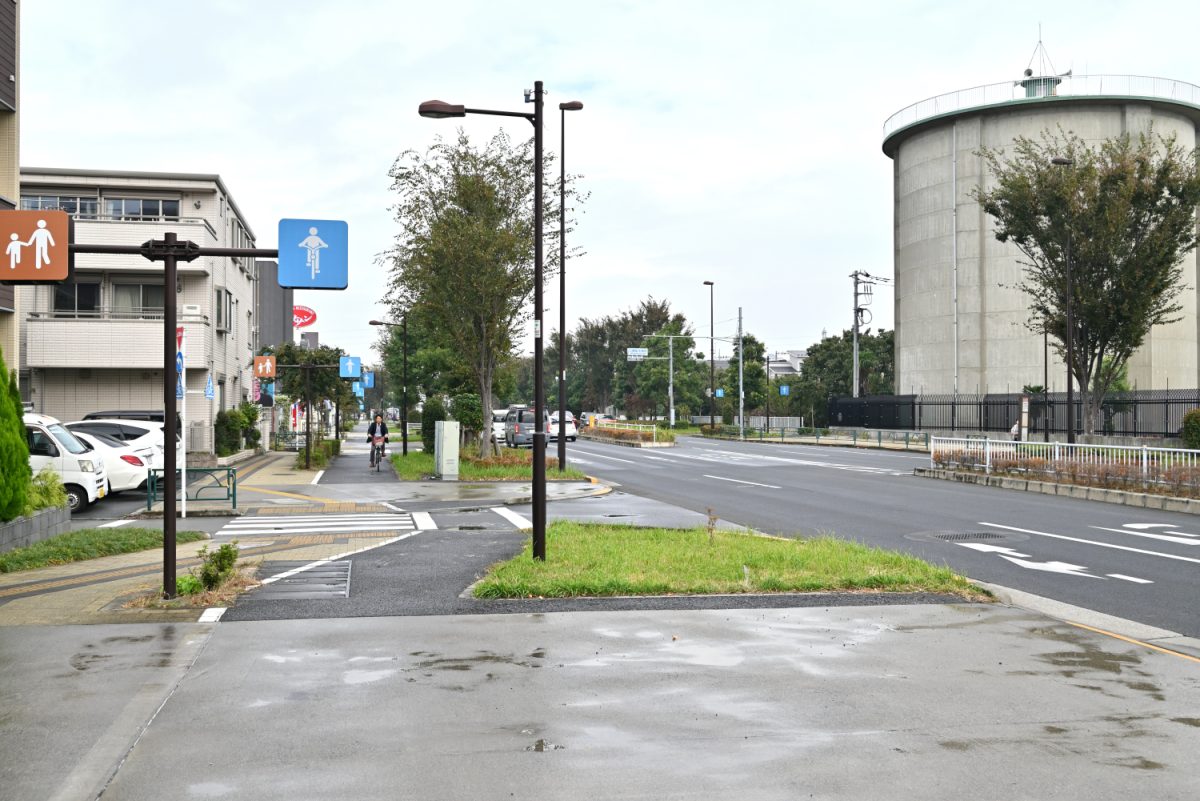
1137,564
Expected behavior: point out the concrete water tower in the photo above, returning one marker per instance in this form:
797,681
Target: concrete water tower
960,318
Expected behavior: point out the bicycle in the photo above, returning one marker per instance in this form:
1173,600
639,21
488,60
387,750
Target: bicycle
376,452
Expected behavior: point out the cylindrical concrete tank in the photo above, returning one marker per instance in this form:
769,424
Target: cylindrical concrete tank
960,316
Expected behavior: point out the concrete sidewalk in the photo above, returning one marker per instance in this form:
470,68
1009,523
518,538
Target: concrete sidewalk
898,702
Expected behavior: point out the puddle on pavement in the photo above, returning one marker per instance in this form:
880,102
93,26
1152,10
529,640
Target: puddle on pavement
468,662
540,745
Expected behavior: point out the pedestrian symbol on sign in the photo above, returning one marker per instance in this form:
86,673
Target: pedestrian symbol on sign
41,240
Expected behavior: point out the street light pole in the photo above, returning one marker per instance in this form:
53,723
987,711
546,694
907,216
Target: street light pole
438,109
1070,333
573,105
712,364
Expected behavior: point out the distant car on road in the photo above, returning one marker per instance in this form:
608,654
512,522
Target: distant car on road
138,433
520,426
498,416
567,430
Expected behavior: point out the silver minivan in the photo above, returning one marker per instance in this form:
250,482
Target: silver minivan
519,426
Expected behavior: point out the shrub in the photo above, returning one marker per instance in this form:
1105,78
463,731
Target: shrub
216,566
188,585
227,430
467,410
46,491
433,411
1191,429
319,460
14,451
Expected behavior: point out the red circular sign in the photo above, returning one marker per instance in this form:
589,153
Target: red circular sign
302,316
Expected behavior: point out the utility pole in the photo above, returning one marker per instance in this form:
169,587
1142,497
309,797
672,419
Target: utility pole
670,367
863,296
741,381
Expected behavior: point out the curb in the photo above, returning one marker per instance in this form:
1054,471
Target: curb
1121,628
607,441
847,444
1141,500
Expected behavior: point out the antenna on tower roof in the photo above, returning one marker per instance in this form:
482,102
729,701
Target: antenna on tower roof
1045,82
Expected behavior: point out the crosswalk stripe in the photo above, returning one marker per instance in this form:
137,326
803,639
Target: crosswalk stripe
255,522
314,529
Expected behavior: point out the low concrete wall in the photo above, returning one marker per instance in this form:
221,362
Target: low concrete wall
625,443
1142,500
42,525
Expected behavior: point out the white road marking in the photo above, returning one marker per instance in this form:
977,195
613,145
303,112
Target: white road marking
336,557
614,458
1134,579
1093,542
1053,567
393,508
1163,537
424,521
339,528
211,615
116,523
739,481
317,477
317,524
660,458
1141,526
512,517
985,548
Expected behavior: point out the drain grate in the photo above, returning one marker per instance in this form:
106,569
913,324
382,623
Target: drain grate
326,582
968,536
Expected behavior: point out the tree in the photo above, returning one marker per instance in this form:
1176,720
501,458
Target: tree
753,375
1125,211
464,260
14,449
829,365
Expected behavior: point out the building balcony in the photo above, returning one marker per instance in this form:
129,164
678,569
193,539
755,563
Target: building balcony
110,339
98,230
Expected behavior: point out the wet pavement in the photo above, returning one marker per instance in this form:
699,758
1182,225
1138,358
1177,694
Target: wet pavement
903,702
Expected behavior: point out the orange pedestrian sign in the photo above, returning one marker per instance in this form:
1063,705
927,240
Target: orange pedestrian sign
36,246
264,366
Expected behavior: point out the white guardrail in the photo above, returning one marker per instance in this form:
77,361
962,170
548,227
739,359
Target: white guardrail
1145,464
623,426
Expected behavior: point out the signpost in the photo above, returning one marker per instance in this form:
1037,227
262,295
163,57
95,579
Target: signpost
720,393
369,379
636,354
785,390
264,367
36,247
350,367
181,395
313,254
303,316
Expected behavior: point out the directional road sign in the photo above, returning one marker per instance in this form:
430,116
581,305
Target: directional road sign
720,393
357,387
350,367
264,367
208,389
636,354
784,390
178,362
179,388
314,254
369,379
36,246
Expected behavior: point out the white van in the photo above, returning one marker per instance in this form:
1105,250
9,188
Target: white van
80,468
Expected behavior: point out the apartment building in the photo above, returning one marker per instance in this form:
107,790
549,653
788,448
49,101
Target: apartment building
10,137
96,343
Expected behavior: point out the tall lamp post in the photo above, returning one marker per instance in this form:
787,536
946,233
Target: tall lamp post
573,105
712,364
1062,161
437,109
403,326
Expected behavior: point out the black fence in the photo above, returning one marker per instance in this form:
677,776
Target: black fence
1145,413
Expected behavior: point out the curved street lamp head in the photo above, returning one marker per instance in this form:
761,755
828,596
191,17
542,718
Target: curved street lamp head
376,322
708,283
570,105
1062,161
440,109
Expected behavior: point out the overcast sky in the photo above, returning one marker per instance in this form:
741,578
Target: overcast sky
732,142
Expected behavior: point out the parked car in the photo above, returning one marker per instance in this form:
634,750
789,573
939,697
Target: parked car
519,426
498,416
136,433
567,430
149,415
125,466
80,468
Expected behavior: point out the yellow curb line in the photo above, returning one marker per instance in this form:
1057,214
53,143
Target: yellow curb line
312,498
1135,642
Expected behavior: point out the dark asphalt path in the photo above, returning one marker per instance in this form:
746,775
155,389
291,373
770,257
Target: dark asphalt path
1133,563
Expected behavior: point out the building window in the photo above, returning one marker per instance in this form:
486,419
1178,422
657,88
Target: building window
76,300
138,300
76,205
130,208
224,309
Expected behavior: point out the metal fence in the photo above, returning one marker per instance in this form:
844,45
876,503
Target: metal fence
1101,465
1144,413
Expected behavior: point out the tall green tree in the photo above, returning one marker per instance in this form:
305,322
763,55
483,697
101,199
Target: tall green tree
753,379
653,376
14,449
1125,210
464,258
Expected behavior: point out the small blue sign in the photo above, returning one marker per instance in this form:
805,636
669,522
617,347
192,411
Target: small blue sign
720,393
268,388
369,379
357,387
208,389
314,254
350,367
178,362
785,390
179,388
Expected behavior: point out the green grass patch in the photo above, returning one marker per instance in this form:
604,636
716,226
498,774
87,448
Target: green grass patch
87,543
513,464
589,559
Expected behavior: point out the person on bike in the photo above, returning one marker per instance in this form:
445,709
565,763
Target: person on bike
378,429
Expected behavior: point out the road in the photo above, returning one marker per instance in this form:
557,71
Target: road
1136,564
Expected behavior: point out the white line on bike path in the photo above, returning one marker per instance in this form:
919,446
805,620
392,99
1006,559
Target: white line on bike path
739,481
317,477
1093,542
512,517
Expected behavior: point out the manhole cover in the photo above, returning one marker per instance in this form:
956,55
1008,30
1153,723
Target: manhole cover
966,536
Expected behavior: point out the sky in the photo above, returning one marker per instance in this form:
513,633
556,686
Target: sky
732,142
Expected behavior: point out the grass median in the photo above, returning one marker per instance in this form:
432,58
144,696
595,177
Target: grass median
591,559
88,543
513,464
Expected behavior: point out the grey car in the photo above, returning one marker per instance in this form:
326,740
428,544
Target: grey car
519,426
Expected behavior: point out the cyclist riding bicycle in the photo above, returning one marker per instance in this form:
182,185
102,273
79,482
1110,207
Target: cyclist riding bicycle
377,429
